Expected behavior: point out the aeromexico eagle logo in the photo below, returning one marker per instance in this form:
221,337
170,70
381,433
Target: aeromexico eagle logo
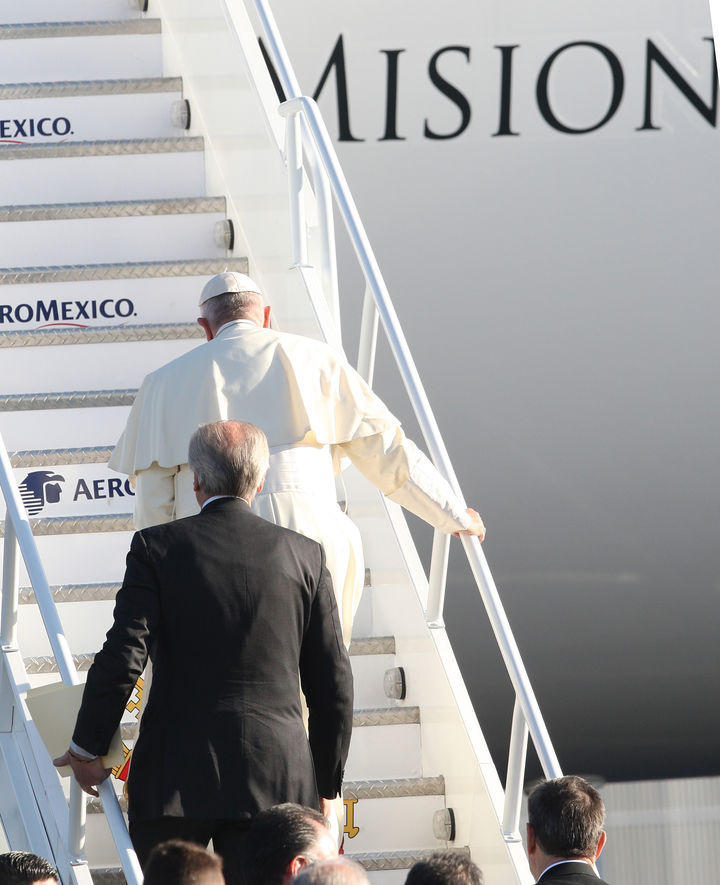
39,488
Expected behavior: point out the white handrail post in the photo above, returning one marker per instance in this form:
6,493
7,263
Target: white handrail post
323,197
8,629
367,345
438,579
76,829
514,779
293,150
116,822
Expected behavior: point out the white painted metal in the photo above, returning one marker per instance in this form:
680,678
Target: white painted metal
92,178
77,241
72,10
515,769
385,751
9,616
367,346
80,58
438,579
409,820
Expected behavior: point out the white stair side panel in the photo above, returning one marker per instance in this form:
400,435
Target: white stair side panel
53,430
85,626
368,673
101,240
384,751
388,877
80,58
136,301
70,10
397,824
82,559
85,367
88,118
97,178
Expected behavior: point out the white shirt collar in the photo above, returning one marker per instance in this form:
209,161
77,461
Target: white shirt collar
570,860
246,324
218,497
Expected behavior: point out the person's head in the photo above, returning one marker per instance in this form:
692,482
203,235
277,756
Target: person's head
336,871
228,458
283,840
445,868
24,868
182,863
231,296
565,818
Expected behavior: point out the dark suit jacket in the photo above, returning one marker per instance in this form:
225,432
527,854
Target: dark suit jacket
571,872
229,607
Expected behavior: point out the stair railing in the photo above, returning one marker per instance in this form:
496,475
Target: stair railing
19,538
303,117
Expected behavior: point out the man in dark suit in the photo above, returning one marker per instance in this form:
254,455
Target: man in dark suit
564,832
229,607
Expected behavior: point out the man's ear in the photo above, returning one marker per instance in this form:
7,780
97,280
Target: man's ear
601,844
196,484
205,325
531,840
266,314
297,864
260,487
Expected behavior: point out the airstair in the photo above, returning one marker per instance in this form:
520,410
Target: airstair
143,151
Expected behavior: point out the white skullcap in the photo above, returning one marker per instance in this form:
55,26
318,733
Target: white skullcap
222,283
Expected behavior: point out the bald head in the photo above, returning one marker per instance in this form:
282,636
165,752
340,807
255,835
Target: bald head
229,458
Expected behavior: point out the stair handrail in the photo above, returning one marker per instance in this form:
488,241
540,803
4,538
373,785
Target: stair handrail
19,536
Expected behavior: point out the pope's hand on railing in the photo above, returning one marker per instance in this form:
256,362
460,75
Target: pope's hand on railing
87,772
476,527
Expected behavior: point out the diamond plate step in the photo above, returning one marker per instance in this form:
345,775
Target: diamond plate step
396,788
372,645
380,861
36,30
127,270
78,525
73,593
78,88
76,399
113,209
106,148
374,862
375,716
101,335
51,457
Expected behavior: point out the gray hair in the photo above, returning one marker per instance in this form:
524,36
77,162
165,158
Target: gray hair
337,871
229,457
232,306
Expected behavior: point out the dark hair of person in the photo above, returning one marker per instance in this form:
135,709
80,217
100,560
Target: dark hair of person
181,863
276,836
567,815
24,868
445,868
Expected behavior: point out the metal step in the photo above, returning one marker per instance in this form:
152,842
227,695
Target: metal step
78,525
370,789
371,645
113,209
47,663
126,270
52,457
79,399
37,30
78,88
374,862
104,148
101,335
380,861
73,593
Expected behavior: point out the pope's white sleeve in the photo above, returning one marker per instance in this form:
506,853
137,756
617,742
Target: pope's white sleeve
404,474
154,496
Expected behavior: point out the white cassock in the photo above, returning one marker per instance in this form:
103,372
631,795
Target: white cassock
314,409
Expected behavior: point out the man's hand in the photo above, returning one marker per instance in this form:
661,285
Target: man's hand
476,527
327,807
87,772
